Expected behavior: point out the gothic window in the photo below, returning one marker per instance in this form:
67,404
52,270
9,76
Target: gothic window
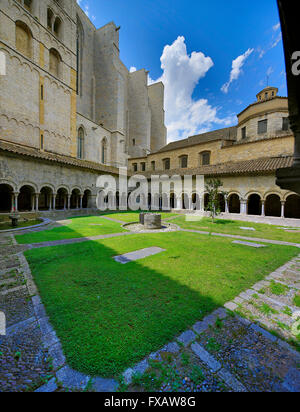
27,4
80,143
23,39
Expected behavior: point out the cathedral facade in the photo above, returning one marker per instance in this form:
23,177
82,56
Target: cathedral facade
69,108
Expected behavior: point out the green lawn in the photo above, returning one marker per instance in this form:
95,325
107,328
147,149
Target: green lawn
109,316
8,226
76,228
232,227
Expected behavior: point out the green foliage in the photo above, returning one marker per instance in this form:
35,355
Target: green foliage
212,188
197,375
296,301
278,288
213,345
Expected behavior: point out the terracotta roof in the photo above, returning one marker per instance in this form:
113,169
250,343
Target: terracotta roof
229,133
53,157
256,166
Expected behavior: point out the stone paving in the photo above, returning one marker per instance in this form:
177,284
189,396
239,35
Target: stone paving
249,358
271,302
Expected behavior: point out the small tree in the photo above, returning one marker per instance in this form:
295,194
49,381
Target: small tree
213,190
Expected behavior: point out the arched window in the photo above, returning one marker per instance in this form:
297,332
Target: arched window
54,62
167,164
204,158
57,27
104,151
27,4
183,161
23,39
50,17
79,46
80,143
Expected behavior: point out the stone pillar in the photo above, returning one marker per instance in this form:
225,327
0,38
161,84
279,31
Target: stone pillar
69,202
243,207
81,199
226,205
263,208
282,209
54,201
37,202
16,195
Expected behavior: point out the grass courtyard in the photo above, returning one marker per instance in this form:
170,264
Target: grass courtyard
109,316
232,227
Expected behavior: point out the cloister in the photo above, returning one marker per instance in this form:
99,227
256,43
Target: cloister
30,198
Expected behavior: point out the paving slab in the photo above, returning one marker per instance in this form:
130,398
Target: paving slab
105,385
292,380
138,254
206,358
186,337
71,379
51,386
255,245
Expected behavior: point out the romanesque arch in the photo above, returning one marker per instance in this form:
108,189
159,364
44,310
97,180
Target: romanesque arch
292,207
86,200
254,204
61,198
45,198
75,199
234,203
6,196
23,39
273,205
55,63
26,199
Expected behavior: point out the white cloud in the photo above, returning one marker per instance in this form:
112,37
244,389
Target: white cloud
181,74
236,70
132,69
276,27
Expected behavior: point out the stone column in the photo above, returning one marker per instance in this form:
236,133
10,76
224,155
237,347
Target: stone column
226,205
69,202
54,201
32,203
37,202
282,209
16,195
243,206
81,199
263,208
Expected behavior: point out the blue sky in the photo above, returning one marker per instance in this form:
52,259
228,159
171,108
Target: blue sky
201,45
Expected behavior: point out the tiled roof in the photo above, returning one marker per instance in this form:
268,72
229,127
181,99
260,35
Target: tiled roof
53,157
256,166
229,133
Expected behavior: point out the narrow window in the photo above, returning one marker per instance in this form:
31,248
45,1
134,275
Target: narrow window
153,165
42,142
204,158
244,131
104,151
133,142
285,124
166,163
134,166
80,143
262,126
184,162
42,92
143,166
